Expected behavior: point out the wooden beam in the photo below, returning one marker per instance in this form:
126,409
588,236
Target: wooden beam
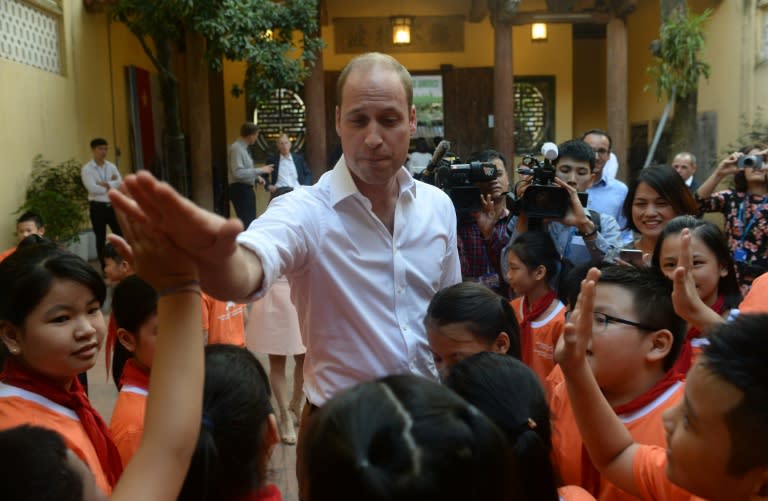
554,18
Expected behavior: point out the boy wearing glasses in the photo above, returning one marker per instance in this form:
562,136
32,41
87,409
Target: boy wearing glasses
636,337
606,194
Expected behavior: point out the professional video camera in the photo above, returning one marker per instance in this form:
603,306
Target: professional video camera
543,198
459,180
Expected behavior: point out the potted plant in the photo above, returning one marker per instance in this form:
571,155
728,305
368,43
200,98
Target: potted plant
57,194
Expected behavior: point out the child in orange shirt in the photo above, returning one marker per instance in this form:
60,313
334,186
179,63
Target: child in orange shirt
468,318
238,431
134,306
223,321
533,265
116,269
716,440
27,224
52,326
510,394
636,337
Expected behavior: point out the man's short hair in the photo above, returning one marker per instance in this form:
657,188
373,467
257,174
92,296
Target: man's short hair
99,141
488,155
248,128
578,150
688,154
31,216
736,354
652,302
599,132
370,60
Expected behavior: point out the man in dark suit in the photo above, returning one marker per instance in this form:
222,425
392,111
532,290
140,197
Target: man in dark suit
290,169
685,165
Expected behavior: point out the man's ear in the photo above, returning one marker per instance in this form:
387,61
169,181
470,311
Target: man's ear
10,334
661,344
127,339
412,119
501,343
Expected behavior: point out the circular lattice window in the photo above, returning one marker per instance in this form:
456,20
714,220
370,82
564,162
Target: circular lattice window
283,113
530,117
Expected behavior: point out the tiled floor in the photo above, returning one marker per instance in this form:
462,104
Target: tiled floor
282,469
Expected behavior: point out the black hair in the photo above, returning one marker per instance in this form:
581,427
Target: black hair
716,241
665,181
578,150
485,313
599,132
248,129
570,284
420,145
230,456
406,438
534,249
652,301
98,141
34,466
736,354
110,252
488,155
34,240
740,179
31,216
28,274
510,394
133,302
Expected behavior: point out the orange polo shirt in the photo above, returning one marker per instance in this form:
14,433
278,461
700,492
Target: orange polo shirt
645,426
649,469
7,253
546,331
224,321
756,300
19,407
127,423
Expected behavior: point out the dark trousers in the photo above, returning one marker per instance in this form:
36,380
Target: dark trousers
244,200
102,214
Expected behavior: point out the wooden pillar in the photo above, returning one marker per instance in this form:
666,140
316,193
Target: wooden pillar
616,91
503,92
199,121
314,95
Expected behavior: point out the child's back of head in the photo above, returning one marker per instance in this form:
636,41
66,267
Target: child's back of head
510,394
238,427
404,438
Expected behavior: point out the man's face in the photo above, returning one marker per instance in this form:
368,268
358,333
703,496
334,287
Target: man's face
574,172
375,124
27,228
699,444
284,145
602,148
100,152
251,139
684,166
499,186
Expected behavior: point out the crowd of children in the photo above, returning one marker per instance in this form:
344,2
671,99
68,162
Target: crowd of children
605,381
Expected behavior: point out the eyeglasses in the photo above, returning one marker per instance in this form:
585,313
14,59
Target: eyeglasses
601,151
600,322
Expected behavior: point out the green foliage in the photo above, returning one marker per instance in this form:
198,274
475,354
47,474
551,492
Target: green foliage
755,131
238,30
57,194
677,64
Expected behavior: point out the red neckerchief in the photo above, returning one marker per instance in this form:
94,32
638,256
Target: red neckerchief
590,476
269,492
109,343
75,399
685,359
134,376
531,313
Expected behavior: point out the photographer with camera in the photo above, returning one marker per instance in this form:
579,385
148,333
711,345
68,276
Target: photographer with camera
580,235
482,236
745,208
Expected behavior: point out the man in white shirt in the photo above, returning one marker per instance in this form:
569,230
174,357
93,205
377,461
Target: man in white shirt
290,169
685,165
364,249
243,175
99,175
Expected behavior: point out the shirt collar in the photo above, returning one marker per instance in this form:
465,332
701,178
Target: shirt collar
342,185
689,181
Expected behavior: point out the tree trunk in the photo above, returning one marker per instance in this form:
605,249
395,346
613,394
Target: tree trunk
175,156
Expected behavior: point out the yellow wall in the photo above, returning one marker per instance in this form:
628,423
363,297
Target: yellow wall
589,85
57,115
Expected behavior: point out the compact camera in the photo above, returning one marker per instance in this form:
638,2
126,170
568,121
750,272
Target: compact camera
754,161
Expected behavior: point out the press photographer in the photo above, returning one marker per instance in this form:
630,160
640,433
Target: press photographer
580,235
483,234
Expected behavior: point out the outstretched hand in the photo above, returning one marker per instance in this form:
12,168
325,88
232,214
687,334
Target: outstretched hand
154,207
487,217
572,352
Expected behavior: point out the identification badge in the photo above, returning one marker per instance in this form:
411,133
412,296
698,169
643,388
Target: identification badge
740,256
490,280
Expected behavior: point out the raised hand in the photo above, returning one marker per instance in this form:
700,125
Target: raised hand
572,352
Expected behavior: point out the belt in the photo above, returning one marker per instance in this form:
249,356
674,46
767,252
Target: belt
240,182
95,202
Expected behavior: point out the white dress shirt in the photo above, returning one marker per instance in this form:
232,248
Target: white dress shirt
286,173
361,292
92,173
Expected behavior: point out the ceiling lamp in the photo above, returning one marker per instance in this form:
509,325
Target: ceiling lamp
539,32
401,30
